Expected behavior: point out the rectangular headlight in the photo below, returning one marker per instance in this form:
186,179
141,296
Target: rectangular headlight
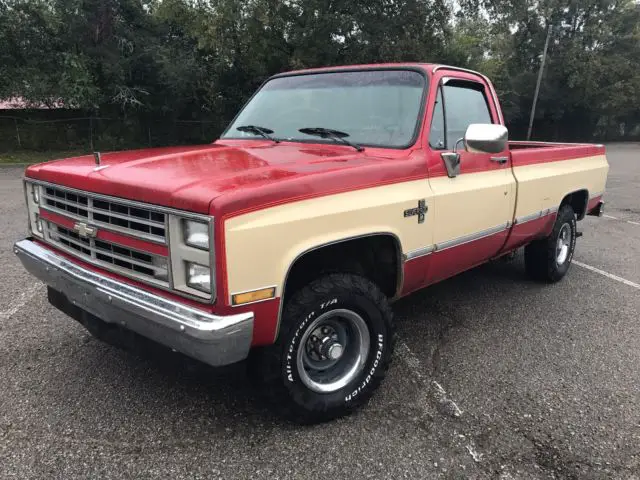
39,227
198,277
35,191
196,234
32,197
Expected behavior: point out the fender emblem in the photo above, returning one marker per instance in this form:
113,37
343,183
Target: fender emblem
420,211
85,231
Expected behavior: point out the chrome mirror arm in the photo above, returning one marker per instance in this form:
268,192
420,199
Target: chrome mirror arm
455,147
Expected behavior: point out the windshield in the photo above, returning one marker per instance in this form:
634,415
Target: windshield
375,108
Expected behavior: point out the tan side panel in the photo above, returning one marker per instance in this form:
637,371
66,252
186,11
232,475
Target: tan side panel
471,203
261,245
544,185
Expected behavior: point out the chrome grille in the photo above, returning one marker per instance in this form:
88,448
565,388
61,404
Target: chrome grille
138,221
143,265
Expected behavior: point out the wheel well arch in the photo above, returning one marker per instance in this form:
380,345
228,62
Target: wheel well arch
578,201
377,256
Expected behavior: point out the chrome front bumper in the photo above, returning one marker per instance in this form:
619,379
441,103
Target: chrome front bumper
213,339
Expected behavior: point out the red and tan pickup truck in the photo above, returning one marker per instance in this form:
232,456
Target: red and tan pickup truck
333,193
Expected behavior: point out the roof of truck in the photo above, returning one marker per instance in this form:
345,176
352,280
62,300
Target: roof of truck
370,66
431,67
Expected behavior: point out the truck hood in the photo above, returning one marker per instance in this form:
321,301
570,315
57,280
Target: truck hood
190,178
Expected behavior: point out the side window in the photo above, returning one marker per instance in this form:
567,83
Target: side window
465,104
437,138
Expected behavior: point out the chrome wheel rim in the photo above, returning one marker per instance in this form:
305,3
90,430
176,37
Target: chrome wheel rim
564,244
333,351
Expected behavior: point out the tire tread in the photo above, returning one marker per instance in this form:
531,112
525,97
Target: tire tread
265,363
540,255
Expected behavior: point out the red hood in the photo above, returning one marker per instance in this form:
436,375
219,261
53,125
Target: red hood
190,178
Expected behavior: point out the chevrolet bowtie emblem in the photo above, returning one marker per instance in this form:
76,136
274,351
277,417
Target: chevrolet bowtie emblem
85,231
420,211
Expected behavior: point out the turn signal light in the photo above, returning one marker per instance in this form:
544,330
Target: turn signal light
255,296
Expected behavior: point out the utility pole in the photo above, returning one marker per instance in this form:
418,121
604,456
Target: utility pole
535,95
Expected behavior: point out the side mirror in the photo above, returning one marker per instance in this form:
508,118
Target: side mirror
486,138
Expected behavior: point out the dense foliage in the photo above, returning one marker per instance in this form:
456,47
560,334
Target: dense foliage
162,60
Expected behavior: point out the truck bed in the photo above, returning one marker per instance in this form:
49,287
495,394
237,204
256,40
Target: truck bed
528,153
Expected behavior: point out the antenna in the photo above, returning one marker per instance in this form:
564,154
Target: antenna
96,156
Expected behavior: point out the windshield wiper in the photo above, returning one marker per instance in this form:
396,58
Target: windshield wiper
335,135
262,131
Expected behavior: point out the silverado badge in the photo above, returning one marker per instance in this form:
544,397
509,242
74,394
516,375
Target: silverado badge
420,211
85,231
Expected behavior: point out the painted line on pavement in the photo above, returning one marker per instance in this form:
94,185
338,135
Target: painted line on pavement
622,220
608,275
435,391
21,301
410,359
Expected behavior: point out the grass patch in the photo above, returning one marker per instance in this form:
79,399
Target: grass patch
27,156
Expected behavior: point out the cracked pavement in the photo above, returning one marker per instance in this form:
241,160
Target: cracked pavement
494,376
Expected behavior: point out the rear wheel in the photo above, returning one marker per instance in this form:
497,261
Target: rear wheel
334,347
549,259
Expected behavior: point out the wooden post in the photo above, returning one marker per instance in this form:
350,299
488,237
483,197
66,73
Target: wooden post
535,95
17,133
91,133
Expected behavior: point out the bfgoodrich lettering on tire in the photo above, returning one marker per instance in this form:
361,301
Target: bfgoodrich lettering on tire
333,350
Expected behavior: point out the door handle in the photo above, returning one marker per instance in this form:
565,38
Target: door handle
500,160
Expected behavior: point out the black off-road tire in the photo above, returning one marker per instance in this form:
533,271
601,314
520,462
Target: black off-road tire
540,256
276,369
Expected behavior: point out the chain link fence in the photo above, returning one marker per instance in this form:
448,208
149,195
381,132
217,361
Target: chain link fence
38,131
91,133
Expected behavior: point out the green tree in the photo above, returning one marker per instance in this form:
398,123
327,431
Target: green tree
153,61
590,83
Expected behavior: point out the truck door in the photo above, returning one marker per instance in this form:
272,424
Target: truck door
473,208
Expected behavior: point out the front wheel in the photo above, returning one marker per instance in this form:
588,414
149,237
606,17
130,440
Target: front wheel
549,259
334,347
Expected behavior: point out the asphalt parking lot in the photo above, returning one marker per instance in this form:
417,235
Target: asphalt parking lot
495,376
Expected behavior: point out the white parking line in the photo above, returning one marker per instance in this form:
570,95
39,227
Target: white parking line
477,457
21,300
435,390
410,359
622,220
608,275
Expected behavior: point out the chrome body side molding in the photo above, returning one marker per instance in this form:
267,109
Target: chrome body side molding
535,216
419,252
423,251
472,237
